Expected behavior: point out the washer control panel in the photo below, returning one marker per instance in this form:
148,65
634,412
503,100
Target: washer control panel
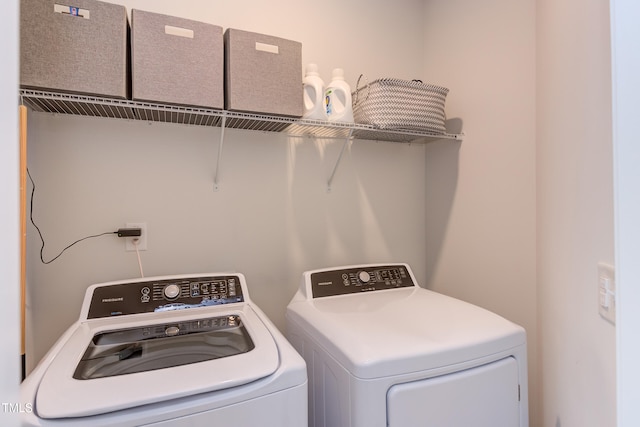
164,295
359,279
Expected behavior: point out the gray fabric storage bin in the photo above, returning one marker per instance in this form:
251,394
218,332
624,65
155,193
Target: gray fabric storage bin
176,60
83,49
263,74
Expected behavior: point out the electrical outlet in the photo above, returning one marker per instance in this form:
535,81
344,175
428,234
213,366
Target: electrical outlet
142,240
607,292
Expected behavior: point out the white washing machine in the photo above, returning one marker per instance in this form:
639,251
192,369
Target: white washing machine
169,351
383,352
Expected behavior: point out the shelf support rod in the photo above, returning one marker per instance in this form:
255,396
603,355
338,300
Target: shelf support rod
216,184
335,168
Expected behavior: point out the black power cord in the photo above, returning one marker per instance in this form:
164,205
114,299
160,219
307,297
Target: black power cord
122,232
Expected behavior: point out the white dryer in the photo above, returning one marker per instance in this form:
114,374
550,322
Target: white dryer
169,351
383,352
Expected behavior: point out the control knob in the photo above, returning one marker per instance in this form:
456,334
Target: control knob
364,276
172,291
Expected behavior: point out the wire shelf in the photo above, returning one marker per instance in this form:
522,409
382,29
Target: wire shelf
85,105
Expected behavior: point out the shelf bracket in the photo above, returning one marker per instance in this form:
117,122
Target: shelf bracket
335,168
216,183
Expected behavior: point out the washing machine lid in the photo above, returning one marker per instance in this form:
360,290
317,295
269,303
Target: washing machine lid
398,331
107,365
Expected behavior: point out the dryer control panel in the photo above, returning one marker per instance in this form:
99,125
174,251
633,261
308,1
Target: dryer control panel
164,295
359,279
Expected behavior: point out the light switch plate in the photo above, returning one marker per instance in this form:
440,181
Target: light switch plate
607,292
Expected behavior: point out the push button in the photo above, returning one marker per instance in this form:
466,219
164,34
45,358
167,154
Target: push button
171,331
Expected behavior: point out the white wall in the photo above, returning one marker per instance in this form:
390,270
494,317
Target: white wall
575,212
626,91
9,217
481,194
273,217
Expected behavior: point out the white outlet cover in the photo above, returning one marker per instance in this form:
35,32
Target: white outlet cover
142,240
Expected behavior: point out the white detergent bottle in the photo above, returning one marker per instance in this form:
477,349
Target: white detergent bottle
313,94
337,99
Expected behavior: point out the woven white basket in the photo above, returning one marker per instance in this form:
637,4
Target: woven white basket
400,104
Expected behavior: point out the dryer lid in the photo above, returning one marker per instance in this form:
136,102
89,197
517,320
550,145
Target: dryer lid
399,331
112,365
